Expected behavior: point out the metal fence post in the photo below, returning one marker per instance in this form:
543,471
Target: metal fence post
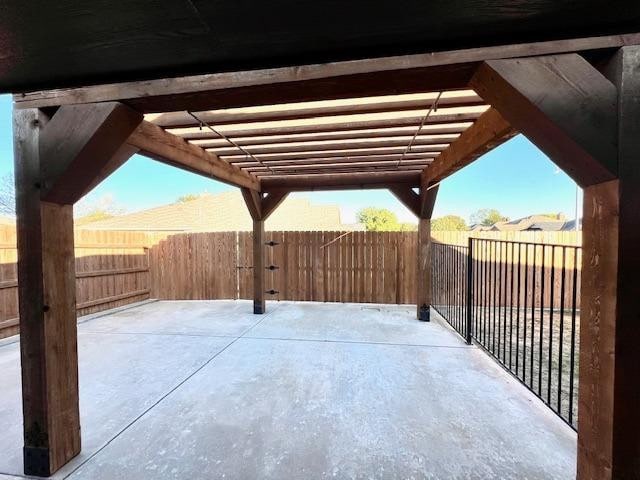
469,299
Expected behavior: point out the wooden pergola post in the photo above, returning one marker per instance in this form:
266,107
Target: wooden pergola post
56,161
421,205
587,121
260,207
609,395
428,194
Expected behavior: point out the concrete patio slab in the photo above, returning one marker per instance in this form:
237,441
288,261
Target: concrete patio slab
367,401
121,376
352,322
212,318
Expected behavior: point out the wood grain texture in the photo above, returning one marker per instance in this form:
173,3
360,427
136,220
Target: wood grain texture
563,105
608,441
47,298
599,300
259,285
155,143
78,143
489,131
345,181
445,68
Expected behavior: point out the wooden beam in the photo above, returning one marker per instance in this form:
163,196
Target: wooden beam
253,200
439,120
346,181
563,104
78,143
370,77
259,304
446,130
273,199
426,202
296,111
321,146
428,195
488,131
609,419
338,165
426,150
155,143
407,197
124,153
46,290
363,159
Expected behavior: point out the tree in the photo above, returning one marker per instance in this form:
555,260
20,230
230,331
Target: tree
187,198
378,219
7,195
487,217
92,209
448,223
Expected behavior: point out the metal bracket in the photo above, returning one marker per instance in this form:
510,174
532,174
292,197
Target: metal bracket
36,461
272,292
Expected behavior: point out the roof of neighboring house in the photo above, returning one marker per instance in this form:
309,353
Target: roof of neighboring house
532,222
478,227
226,212
571,225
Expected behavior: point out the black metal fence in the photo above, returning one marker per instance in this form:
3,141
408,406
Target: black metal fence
449,284
520,302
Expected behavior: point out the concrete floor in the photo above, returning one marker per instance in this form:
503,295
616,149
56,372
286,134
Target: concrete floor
203,390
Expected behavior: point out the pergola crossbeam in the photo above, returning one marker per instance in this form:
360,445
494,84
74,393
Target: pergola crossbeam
154,142
489,131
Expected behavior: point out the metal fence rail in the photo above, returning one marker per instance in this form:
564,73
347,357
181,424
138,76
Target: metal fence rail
520,302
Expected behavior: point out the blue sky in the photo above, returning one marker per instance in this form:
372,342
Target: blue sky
516,178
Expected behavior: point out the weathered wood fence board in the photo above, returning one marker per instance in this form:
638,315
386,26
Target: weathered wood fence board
112,269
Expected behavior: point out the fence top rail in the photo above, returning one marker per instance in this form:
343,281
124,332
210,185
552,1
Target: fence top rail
540,244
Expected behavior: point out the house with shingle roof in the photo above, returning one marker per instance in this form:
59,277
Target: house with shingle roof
545,223
226,212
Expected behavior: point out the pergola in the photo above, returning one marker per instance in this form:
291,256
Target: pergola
402,123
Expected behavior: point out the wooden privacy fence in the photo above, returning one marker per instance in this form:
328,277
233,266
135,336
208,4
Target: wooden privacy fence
112,269
117,268
374,267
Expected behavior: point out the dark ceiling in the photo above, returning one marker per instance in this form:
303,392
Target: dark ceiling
56,43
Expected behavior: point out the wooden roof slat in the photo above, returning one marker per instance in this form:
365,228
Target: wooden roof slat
347,122
303,110
424,149
370,170
404,132
353,159
196,134
338,164
318,146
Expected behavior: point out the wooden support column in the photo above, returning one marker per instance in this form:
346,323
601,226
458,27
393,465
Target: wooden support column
260,207
428,194
609,395
259,304
421,205
56,161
